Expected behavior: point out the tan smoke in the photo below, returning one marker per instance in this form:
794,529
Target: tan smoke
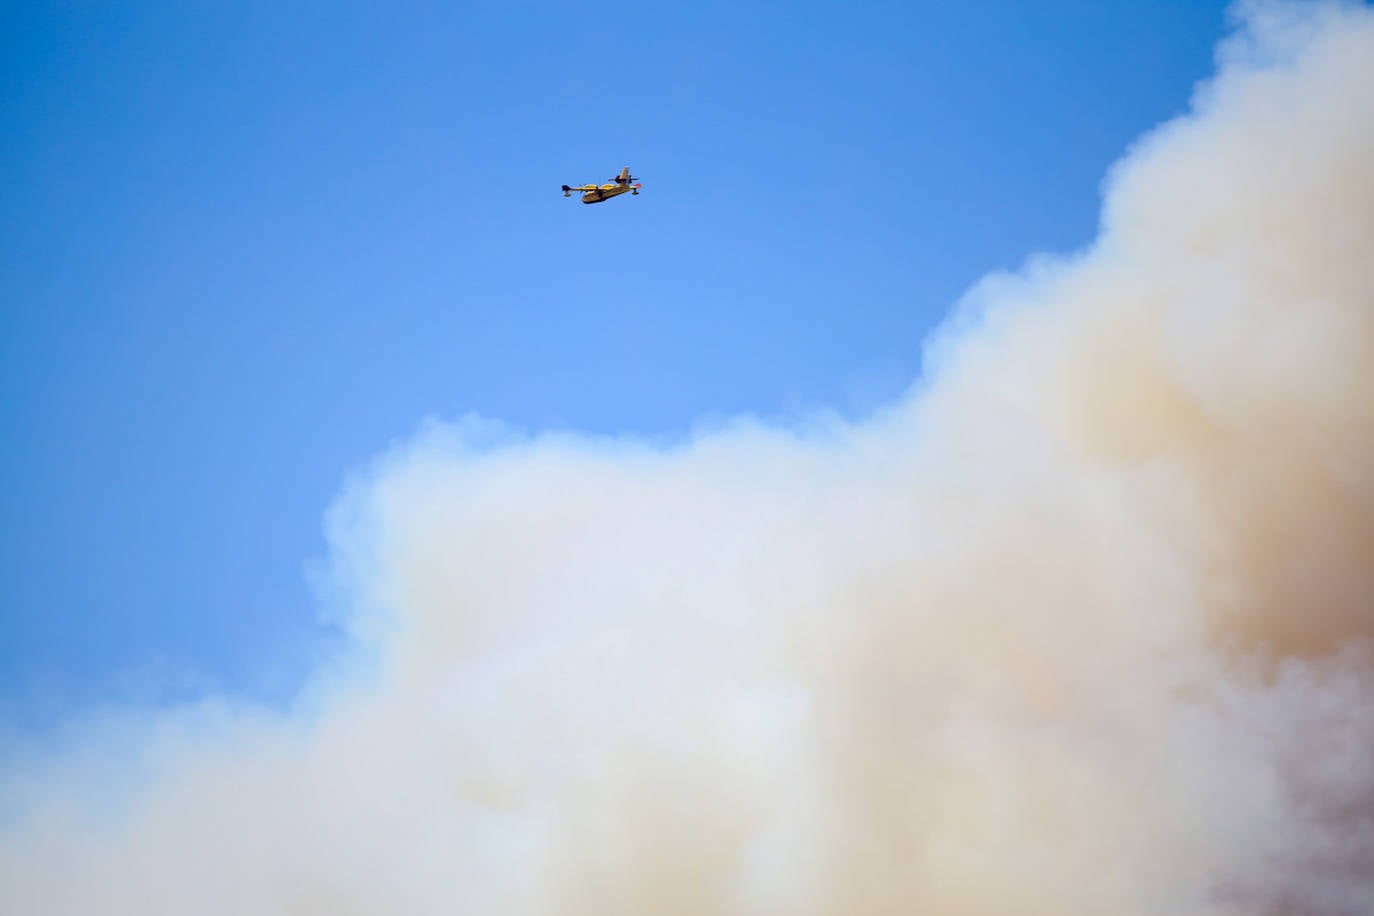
1082,625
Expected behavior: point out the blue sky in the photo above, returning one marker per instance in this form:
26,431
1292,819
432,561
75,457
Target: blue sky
244,247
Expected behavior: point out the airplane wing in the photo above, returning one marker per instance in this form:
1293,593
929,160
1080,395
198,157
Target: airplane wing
582,187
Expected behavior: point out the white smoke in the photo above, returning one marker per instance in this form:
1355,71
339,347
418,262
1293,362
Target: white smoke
1082,625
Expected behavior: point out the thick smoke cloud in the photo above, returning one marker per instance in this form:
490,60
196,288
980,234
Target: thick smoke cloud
1081,625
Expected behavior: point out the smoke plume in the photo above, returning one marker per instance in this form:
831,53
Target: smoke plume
1082,625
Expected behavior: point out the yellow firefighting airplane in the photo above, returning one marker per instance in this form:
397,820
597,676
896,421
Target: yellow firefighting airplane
595,193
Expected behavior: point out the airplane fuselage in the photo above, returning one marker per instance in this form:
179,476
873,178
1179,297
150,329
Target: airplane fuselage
605,192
